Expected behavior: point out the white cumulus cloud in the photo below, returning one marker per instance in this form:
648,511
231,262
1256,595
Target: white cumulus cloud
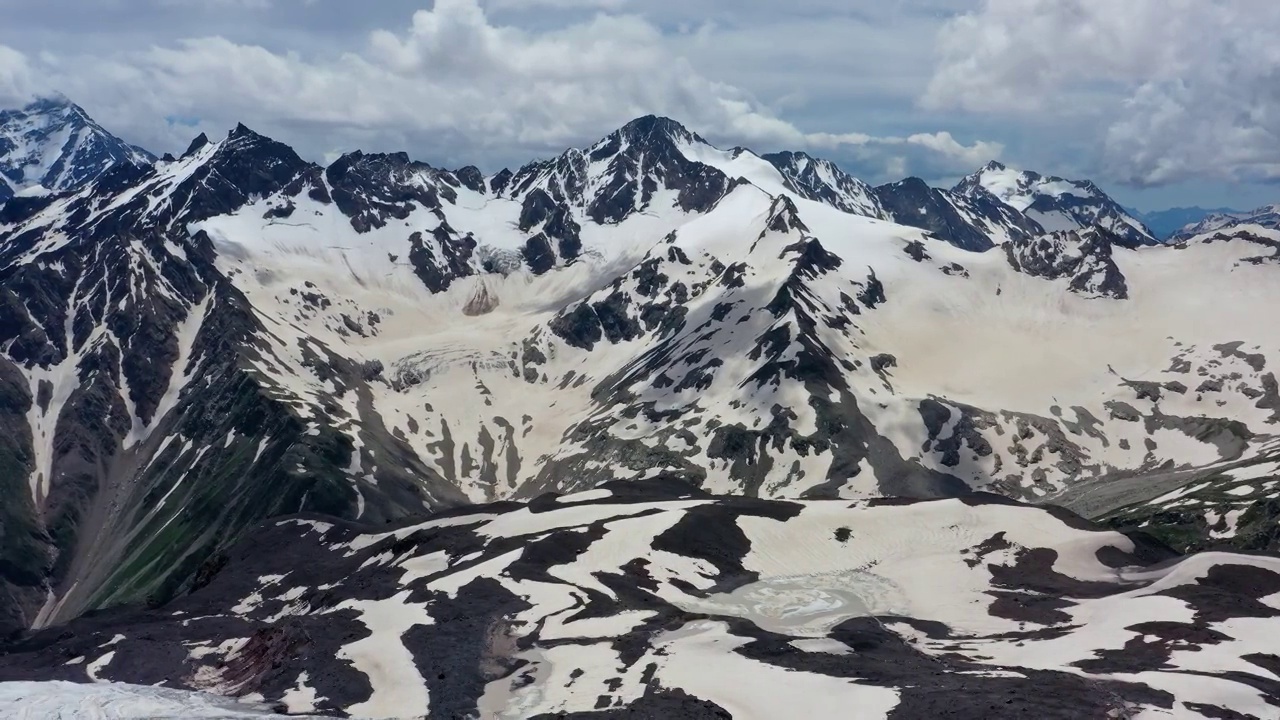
453,81
16,84
1175,89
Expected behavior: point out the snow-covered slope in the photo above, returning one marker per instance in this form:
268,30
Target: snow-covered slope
1054,203
60,700
658,601
52,145
189,348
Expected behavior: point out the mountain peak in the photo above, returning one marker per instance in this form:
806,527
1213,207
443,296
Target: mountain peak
51,104
243,131
52,143
245,141
912,184
784,216
197,144
53,112
1054,202
822,180
789,155
653,127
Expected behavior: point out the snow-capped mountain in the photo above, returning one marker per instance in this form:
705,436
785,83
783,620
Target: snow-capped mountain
1054,203
1267,216
654,600
972,222
193,347
52,145
1164,224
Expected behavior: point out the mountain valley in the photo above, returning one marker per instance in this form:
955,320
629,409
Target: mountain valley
381,439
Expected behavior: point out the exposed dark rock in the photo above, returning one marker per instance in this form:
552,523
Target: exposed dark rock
964,222
823,181
444,258
471,178
196,145
639,159
915,250
1083,259
373,189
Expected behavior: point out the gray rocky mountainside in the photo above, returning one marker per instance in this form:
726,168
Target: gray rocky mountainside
192,347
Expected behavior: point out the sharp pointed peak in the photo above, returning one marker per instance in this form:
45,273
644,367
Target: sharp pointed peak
243,137
784,216
243,146
197,144
242,131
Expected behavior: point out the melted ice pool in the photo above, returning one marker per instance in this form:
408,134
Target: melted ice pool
807,605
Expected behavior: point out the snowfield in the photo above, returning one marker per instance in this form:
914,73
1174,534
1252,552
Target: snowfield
659,599
117,701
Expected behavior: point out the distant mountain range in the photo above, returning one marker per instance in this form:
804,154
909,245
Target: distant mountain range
569,438
1267,216
1165,224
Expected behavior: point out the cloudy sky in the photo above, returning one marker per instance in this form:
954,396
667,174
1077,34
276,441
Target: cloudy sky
1163,102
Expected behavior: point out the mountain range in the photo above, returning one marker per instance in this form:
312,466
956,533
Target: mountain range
329,432
1164,224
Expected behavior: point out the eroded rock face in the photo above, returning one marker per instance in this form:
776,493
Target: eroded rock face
373,190
821,180
482,302
1084,259
106,319
675,597
912,202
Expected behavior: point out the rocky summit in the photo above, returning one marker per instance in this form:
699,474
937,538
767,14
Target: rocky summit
648,429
